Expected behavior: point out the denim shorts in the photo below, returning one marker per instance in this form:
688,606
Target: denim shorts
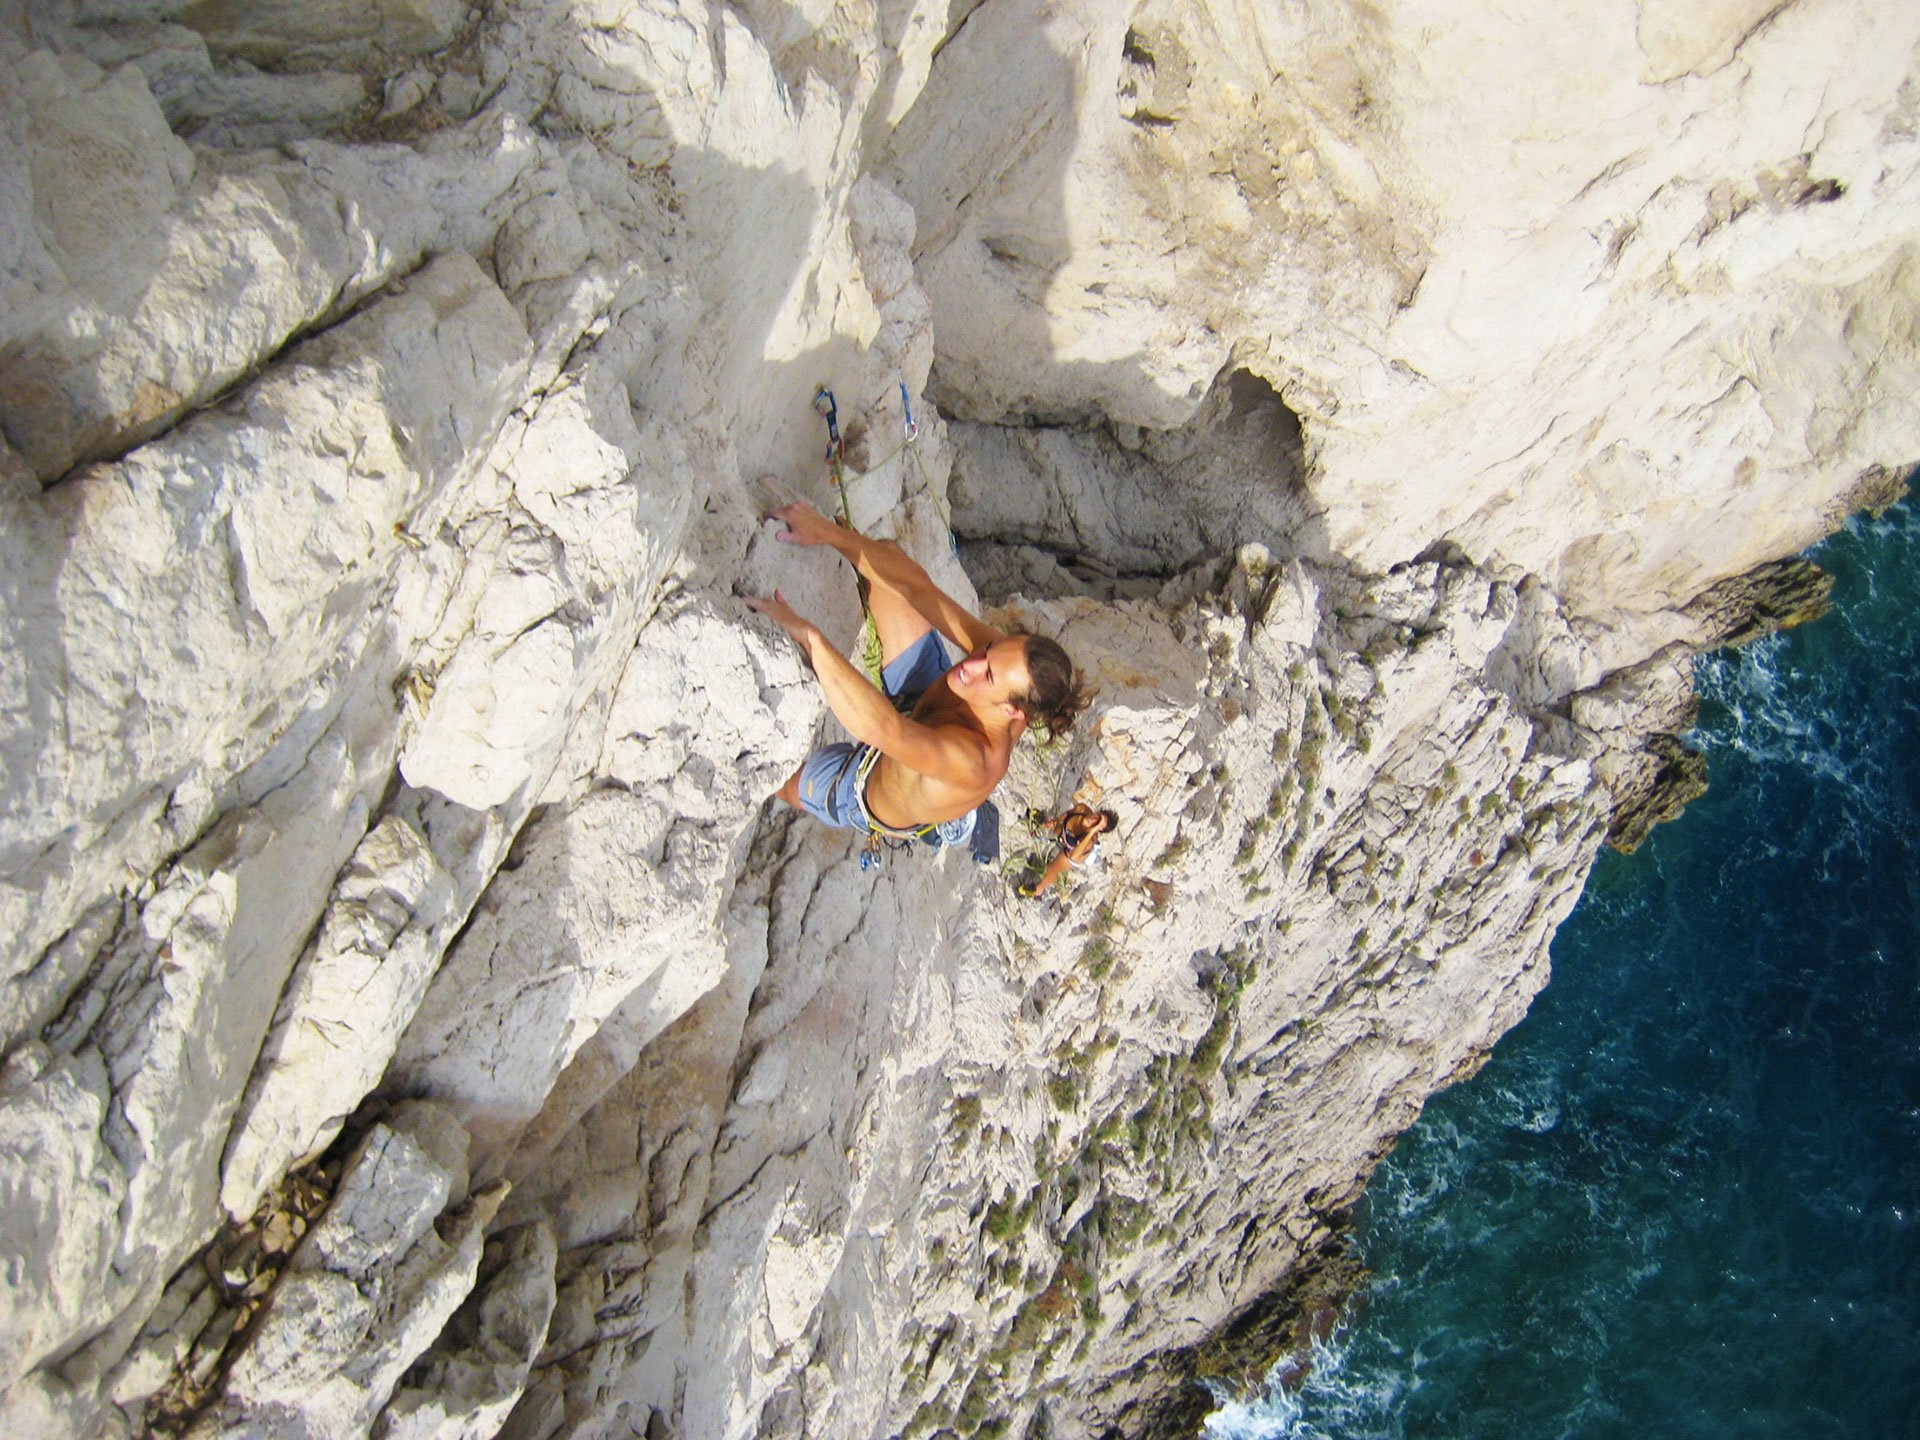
830,779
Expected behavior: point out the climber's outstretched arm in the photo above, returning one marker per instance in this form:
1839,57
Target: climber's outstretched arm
954,754
886,566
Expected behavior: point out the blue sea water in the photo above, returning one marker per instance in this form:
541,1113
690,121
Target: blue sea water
1683,1198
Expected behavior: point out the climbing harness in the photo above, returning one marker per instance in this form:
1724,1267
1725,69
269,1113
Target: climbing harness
978,829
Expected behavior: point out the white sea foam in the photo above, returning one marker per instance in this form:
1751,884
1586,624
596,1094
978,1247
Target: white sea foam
1777,715
1533,1106
1340,1400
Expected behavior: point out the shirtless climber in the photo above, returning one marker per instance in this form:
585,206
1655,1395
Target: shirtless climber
935,743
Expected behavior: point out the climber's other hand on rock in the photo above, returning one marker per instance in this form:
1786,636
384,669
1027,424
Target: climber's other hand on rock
776,609
805,525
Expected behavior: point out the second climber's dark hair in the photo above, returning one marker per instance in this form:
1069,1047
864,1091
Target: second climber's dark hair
1058,693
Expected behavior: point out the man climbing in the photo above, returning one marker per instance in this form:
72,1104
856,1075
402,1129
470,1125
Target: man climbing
932,747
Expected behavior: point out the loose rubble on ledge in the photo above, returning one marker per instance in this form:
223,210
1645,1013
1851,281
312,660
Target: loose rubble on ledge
417,1020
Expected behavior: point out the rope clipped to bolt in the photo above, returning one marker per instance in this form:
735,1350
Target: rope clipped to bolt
828,410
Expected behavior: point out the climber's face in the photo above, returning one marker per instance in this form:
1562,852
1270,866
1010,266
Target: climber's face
995,675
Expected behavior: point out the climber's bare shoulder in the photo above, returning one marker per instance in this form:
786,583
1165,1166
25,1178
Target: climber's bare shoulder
945,763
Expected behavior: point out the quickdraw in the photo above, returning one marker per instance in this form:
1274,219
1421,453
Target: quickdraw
913,453
823,402
825,407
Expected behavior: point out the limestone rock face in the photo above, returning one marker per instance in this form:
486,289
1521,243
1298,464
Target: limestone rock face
368,970
1041,1099
415,1018
1591,297
112,331
365,1293
614,905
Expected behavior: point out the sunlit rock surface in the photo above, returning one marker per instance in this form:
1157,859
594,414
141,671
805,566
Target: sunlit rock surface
417,1022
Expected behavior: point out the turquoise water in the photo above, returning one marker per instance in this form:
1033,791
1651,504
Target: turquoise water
1683,1199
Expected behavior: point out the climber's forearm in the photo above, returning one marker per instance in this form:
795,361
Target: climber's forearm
868,715
885,566
881,562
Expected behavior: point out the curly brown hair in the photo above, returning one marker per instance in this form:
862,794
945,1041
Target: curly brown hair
1059,692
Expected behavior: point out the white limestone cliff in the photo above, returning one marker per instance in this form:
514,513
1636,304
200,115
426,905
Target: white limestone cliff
415,1020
